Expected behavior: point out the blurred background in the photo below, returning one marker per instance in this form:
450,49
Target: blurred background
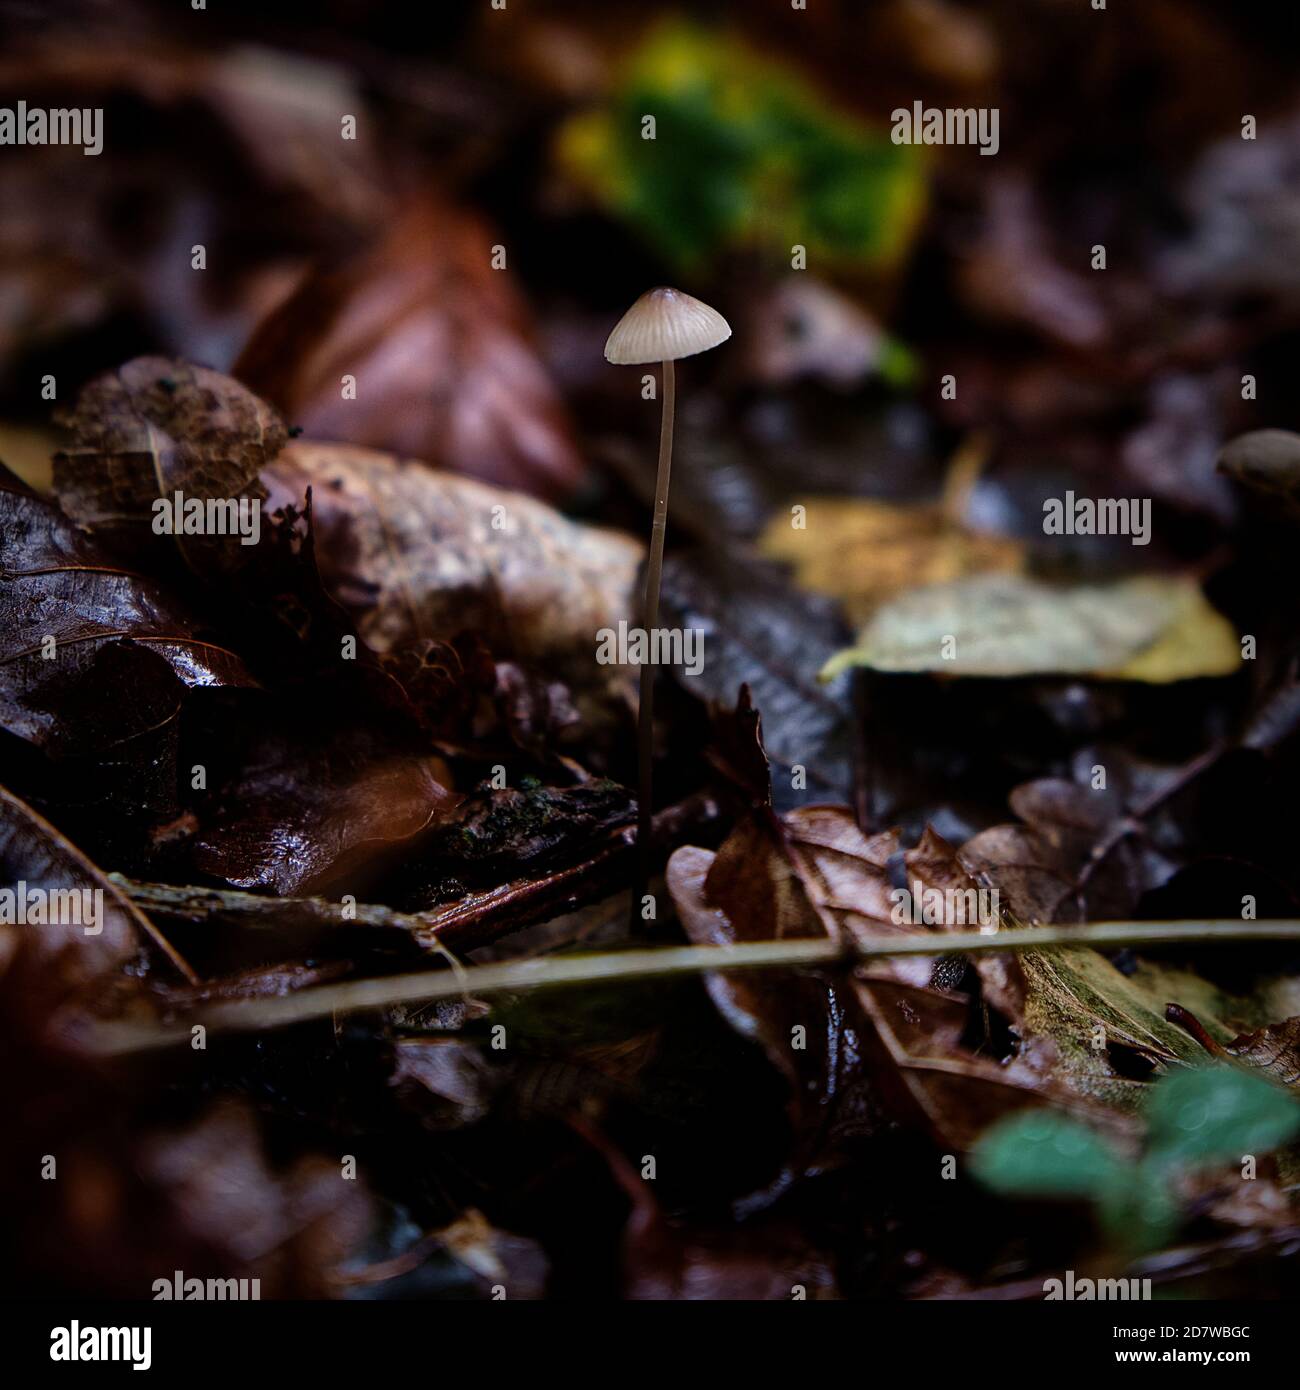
520,127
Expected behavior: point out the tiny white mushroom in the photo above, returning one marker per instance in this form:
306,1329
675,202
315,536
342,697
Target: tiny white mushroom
663,325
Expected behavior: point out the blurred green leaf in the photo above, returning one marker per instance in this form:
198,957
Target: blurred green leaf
1042,1154
1140,1209
744,152
1195,1118
1216,1113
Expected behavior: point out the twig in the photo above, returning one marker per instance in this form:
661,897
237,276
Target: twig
617,966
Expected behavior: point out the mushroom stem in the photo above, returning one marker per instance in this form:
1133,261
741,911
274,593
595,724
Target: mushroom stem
649,621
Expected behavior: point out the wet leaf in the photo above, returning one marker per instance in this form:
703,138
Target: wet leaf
310,811
78,631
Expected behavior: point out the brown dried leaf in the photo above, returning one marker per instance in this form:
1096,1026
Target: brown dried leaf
815,874
1076,854
915,1035
1275,1049
415,555
438,342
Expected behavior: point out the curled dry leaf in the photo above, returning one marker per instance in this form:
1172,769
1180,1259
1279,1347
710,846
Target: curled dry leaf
1274,1049
816,874
1154,628
413,555
436,342
748,890
1079,852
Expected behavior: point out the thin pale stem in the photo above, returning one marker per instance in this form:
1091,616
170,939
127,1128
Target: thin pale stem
649,621
609,967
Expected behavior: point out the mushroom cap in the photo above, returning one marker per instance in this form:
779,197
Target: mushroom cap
664,325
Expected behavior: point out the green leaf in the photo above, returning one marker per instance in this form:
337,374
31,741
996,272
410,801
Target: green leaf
1042,1154
1215,1113
1141,1210
746,152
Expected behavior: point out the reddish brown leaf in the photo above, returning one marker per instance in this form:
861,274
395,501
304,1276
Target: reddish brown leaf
438,343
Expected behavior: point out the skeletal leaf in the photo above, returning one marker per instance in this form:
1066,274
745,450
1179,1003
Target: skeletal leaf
154,427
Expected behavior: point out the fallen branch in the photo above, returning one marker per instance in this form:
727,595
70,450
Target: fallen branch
606,967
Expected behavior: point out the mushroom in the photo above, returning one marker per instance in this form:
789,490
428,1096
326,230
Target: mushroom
663,325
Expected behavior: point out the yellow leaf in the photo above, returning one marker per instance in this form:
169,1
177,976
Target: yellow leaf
1153,628
863,552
